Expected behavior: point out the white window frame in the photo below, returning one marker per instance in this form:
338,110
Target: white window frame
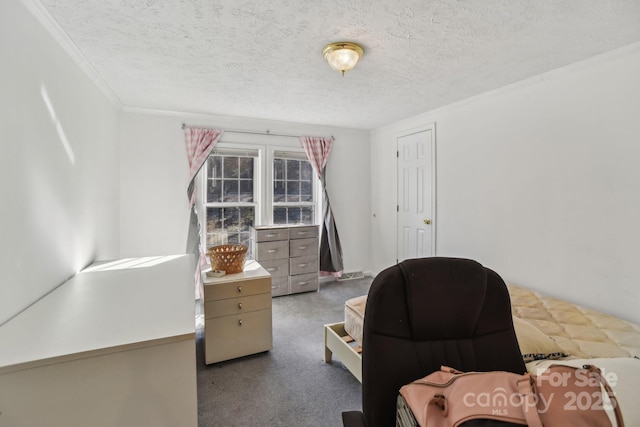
317,192
263,181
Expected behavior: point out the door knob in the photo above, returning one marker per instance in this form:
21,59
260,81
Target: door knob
426,221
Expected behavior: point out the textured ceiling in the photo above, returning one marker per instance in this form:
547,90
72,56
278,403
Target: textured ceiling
262,59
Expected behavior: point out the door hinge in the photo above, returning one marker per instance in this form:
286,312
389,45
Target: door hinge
398,154
397,208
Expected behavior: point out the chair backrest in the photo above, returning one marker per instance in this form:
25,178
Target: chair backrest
428,312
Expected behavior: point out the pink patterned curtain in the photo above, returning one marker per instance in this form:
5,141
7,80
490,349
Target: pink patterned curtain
199,143
318,150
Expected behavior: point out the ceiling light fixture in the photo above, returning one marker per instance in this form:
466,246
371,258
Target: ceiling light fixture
342,56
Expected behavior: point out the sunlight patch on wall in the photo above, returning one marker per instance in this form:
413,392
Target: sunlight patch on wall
61,134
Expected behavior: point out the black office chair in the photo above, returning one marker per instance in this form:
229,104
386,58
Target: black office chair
428,312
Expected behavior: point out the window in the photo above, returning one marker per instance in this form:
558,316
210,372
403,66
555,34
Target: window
230,201
293,189
248,186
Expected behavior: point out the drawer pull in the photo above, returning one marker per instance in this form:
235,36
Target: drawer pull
240,322
271,235
272,251
272,268
303,283
240,306
302,233
302,265
239,288
302,248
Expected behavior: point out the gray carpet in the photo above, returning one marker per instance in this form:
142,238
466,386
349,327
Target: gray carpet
289,385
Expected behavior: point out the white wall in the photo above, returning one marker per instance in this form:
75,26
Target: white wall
58,168
539,181
154,178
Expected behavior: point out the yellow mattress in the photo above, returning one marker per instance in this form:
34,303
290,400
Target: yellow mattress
578,331
354,317
546,328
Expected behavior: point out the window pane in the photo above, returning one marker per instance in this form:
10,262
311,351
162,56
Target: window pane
231,219
246,191
306,215
306,171
214,191
214,216
293,169
306,191
214,167
293,191
293,216
216,238
231,167
246,167
230,191
247,218
279,191
279,215
231,180
215,234
278,169
232,238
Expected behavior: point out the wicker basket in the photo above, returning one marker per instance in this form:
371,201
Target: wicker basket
227,258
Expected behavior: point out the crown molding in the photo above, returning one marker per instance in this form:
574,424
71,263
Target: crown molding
37,9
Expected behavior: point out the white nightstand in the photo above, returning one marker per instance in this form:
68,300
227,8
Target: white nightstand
237,314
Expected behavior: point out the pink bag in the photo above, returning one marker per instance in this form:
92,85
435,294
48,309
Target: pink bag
561,396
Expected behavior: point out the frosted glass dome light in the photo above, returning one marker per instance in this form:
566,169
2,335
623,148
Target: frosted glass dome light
342,56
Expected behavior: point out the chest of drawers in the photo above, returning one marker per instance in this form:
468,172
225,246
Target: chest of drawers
289,254
237,312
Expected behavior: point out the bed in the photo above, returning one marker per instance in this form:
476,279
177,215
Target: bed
547,329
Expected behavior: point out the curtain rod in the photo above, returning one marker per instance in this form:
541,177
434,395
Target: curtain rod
249,132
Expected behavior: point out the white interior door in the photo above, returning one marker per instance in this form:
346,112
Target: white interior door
416,195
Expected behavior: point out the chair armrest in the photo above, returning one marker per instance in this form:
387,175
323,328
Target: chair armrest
353,419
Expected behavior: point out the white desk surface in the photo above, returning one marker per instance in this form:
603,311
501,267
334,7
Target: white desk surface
109,306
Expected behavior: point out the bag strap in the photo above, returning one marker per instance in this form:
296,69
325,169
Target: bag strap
595,371
529,399
436,407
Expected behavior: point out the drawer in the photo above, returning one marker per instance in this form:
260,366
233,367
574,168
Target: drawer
303,283
303,247
276,267
239,335
302,265
269,234
303,232
226,307
279,286
224,290
266,251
